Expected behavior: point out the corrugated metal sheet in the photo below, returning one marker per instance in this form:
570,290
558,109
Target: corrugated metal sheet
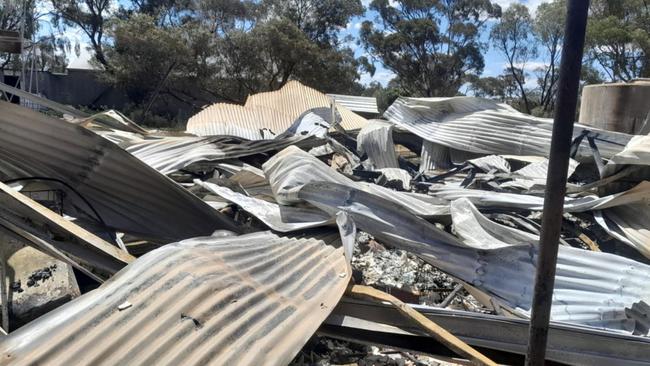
291,168
249,122
540,169
113,120
629,224
636,152
266,115
128,195
484,126
591,288
169,154
480,232
434,156
294,98
491,163
248,300
481,198
567,343
376,141
356,103
277,217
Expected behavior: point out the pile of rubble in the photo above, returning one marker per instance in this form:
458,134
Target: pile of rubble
245,238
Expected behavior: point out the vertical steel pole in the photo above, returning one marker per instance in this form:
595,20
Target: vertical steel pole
565,109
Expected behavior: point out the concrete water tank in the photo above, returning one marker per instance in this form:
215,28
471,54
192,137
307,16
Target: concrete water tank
621,107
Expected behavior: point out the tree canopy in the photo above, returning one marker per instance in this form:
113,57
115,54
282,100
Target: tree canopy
432,46
195,52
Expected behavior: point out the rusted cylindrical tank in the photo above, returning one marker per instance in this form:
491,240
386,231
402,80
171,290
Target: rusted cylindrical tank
621,107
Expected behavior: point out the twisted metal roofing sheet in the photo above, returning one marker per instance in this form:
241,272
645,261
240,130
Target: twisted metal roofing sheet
128,195
248,300
591,288
294,98
169,154
484,126
356,103
376,140
250,122
266,115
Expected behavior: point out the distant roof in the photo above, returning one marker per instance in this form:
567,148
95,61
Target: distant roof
356,104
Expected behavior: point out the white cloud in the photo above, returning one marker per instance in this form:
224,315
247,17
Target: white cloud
353,26
392,3
528,66
382,76
531,4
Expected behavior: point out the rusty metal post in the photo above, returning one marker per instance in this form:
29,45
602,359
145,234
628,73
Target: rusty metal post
565,110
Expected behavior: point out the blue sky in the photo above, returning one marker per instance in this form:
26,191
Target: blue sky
494,62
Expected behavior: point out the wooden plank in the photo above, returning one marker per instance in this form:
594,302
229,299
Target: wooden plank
12,199
436,331
439,333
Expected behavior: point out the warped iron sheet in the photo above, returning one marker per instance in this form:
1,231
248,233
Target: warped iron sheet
482,198
247,300
591,288
376,141
250,122
629,224
636,152
291,168
487,127
170,154
128,195
567,343
277,217
480,232
294,99
356,103
266,115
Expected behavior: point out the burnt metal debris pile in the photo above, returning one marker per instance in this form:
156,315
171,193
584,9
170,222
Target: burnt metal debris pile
254,236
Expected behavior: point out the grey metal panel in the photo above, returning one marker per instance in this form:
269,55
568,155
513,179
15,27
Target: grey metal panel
376,141
128,195
293,99
277,217
268,114
44,101
567,343
169,154
289,169
356,103
591,288
252,123
484,126
248,300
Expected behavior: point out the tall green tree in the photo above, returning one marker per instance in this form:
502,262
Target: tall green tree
618,37
513,37
91,16
42,50
12,13
549,31
201,51
433,46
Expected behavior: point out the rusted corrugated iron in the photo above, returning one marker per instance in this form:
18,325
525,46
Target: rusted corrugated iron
247,300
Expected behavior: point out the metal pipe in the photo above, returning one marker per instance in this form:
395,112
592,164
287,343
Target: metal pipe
565,110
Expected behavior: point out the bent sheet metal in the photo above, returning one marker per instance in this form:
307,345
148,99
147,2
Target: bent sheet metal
248,300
